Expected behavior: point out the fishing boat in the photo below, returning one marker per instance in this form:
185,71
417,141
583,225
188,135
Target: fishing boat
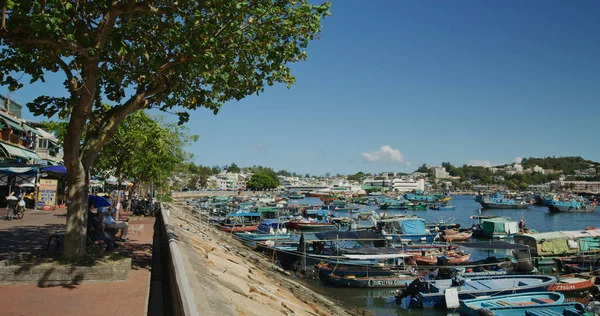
501,201
431,294
416,206
420,196
573,283
395,281
296,196
442,207
566,309
457,236
315,226
403,229
452,257
571,205
473,307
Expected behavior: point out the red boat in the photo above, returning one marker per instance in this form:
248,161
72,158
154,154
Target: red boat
236,229
573,283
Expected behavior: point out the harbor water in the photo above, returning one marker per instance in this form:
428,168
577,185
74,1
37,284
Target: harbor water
382,302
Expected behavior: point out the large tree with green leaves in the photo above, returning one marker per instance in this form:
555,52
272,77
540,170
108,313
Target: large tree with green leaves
134,54
263,181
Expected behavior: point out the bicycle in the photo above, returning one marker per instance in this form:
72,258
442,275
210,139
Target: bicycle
15,209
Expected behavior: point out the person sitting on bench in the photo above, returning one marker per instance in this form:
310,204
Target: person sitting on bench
95,229
109,221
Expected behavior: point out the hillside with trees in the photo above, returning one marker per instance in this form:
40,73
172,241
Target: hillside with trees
567,164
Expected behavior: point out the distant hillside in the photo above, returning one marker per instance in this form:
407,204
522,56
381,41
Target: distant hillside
567,164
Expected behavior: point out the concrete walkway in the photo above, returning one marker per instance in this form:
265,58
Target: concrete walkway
30,234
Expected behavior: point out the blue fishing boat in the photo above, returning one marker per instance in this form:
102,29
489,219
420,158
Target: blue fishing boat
510,302
432,294
267,226
562,309
420,196
570,205
501,201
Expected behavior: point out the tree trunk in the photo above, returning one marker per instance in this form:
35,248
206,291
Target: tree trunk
77,171
118,200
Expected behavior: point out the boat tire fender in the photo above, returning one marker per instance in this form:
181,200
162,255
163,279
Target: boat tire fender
371,283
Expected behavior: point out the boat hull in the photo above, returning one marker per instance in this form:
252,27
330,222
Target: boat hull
573,283
490,205
457,236
570,209
371,282
235,229
473,307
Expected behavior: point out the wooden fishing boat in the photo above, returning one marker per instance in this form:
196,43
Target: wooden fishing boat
432,259
573,283
562,309
431,294
396,281
457,236
236,229
473,307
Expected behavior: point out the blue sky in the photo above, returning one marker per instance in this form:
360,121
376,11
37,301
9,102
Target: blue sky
395,84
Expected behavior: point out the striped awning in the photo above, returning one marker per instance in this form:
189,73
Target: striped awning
17,152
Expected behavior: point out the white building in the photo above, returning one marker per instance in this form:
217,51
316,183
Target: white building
538,169
440,172
407,185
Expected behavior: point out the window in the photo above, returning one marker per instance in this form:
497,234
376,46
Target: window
43,144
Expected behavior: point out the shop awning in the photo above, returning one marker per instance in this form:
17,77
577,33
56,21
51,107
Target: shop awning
17,152
28,128
12,125
16,169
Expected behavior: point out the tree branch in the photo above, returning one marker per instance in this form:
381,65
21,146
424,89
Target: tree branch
73,82
98,135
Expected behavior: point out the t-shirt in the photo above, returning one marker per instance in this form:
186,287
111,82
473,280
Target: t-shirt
17,192
107,218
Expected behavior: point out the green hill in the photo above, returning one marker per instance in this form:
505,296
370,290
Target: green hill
567,164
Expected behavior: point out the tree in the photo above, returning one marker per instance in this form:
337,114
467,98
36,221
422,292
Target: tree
262,181
139,55
523,186
233,168
203,176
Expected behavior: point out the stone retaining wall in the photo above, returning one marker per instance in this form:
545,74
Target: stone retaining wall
20,270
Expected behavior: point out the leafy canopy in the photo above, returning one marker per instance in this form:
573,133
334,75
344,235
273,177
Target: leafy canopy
263,180
184,54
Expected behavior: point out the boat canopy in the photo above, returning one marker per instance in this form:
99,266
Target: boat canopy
575,234
386,256
492,245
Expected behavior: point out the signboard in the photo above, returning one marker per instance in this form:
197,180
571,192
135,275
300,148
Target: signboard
47,194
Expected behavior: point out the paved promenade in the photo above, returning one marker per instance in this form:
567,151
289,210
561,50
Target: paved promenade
31,233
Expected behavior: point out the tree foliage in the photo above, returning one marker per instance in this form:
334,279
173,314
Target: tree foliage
233,168
262,181
567,164
171,55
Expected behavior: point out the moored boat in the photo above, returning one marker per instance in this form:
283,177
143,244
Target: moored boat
571,205
474,307
458,236
501,201
557,309
395,281
432,259
573,283
431,294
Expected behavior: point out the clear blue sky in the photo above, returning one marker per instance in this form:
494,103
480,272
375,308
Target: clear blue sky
457,81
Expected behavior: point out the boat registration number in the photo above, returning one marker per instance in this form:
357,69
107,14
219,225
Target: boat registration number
388,282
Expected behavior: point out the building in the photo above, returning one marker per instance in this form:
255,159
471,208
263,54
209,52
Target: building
18,141
407,185
440,172
385,183
577,186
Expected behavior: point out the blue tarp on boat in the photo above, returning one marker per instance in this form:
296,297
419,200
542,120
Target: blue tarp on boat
361,234
413,226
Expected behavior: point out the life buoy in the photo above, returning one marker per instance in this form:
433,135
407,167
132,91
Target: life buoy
371,283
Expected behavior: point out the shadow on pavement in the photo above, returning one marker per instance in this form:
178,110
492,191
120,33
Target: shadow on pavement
26,239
